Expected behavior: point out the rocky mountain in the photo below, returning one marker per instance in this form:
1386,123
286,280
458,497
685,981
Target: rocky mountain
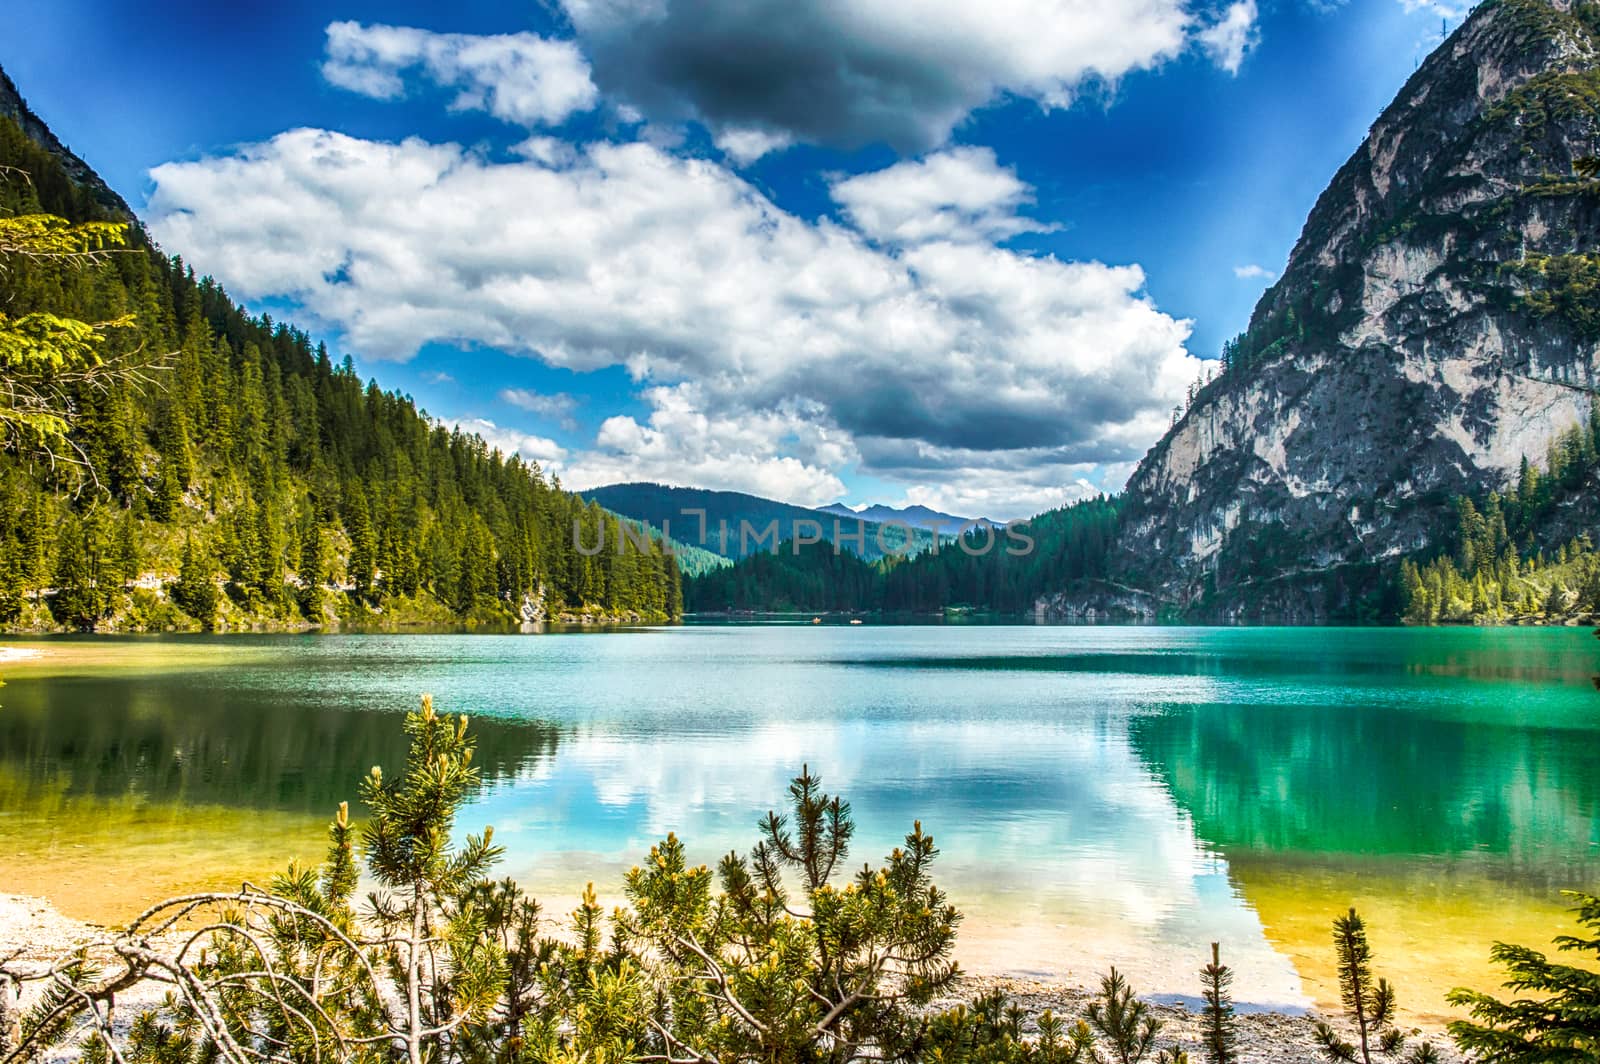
923,517
1438,321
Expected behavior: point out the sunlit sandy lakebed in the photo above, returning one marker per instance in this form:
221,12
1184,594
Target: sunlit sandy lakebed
1100,795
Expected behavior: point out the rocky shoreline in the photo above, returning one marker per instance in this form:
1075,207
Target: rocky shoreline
33,933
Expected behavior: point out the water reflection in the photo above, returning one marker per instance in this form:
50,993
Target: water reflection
1100,795
203,740
1359,780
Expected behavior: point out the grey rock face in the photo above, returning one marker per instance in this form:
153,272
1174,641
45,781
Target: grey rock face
13,106
1419,344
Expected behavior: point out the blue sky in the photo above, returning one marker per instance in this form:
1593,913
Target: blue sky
892,251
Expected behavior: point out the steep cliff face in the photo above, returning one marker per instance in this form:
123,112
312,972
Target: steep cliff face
14,107
1437,321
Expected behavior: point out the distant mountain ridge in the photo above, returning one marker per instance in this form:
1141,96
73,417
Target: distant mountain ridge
735,525
916,516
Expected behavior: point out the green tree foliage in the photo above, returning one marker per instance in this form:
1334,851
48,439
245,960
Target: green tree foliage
48,361
195,590
987,569
1493,571
1221,1036
256,447
1123,1020
1369,1003
1556,1017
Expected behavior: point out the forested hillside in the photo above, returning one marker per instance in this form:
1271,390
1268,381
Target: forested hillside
244,477
734,525
1001,569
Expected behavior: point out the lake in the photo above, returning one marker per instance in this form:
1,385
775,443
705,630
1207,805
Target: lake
1099,795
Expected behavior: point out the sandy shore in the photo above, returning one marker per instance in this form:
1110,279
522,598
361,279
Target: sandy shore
32,927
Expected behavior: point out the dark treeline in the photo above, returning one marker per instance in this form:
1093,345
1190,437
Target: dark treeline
1004,570
252,479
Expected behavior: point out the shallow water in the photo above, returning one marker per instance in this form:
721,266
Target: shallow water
1100,795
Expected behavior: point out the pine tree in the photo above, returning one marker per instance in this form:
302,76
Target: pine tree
1559,1023
1219,1029
1369,1005
195,591
363,547
1123,1020
82,597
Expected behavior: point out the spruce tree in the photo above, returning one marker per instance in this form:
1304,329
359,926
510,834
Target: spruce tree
1221,1035
363,547
82,598
1556,1017
195,591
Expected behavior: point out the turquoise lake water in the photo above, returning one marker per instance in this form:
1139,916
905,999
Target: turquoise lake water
1099,794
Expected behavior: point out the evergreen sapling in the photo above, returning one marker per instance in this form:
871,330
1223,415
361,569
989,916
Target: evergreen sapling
1219,1028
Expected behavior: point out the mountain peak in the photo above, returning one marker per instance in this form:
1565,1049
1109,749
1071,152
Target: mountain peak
1417,347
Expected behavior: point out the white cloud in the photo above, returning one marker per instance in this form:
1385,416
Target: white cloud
771,348
999,485
745,146
1253,272
509,441
681,445
551,151
554,406
904,72
517,77
960,194
1228,39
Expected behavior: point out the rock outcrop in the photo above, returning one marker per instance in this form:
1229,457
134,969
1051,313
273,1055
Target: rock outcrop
1437,322
14,107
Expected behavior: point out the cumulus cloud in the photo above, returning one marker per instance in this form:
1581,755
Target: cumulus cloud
552,406
904,72
509,441
1253,272
1228,39
961,194
520,78
768,346
1003,485
745,146
681,445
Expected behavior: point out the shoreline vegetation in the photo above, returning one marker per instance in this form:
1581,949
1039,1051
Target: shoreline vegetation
1264,1035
